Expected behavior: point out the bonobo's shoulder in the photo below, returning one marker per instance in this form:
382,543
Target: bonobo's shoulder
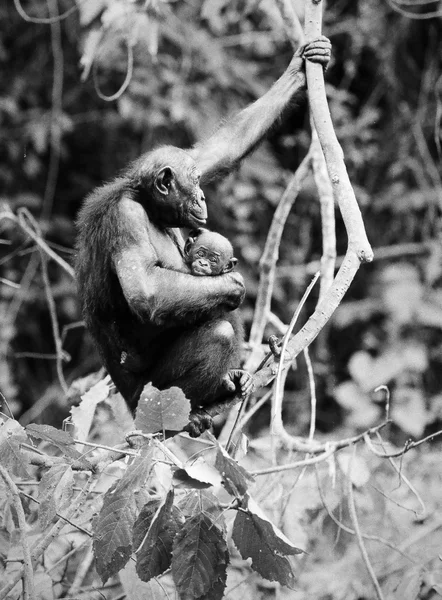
130,208
101,202
131,215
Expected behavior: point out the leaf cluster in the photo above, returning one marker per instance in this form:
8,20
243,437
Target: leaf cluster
162,511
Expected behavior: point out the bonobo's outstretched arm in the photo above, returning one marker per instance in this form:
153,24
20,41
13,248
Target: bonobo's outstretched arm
164,296
239,135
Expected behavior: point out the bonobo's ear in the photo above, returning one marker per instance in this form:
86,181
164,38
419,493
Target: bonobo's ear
163,179
230,265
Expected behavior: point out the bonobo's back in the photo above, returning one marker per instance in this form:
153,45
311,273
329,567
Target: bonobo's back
99,237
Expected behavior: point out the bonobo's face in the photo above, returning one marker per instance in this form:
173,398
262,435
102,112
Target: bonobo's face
178,195
208,253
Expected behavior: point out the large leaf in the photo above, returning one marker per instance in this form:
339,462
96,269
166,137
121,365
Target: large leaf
61,439
200,472
113,527
199,557
257,538
235,477
54,492
167,410
202,502
83,414
12,458
154,532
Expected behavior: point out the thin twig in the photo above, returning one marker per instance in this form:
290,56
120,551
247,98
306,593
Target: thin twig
311,379
43,20
359,538
249,414
407,482
56,111
270,257
407,446
81,573
277,425
26,571
67,556
411,15
68,521
127,79
349,530
23,214
300,463
54,322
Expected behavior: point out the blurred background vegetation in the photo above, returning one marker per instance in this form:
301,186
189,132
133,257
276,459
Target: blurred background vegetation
177,68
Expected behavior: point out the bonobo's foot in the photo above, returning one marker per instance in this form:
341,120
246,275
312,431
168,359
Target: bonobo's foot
199,421
237,380
318,51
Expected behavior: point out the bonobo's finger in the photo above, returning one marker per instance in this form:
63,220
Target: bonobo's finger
246,383
317,52
319,42
228,384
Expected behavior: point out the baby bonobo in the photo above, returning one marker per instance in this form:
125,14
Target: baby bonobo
208,253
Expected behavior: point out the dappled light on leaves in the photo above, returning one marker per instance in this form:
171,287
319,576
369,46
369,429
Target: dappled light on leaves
162,411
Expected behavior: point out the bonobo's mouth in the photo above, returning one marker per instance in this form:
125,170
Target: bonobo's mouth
198,220
201,270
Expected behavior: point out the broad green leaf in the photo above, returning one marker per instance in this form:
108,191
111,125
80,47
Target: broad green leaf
12,458
204,502
200,470
113,527
83,414
182,480
235,477
54,492
216,592
199,557
257,538
154,532
61,439
167,410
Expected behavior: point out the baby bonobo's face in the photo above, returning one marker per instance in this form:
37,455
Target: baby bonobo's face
209,253
207,261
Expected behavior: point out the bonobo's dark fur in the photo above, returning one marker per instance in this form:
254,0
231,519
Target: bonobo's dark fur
150,320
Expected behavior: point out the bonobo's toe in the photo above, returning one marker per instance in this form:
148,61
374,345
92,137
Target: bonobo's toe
199,422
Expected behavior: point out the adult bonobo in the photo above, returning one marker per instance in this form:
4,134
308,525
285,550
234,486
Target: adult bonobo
133,291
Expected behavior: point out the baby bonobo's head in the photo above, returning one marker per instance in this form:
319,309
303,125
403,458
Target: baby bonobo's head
208,253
